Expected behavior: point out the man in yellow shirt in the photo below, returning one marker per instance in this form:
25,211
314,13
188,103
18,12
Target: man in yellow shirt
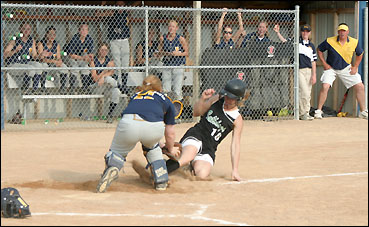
341,49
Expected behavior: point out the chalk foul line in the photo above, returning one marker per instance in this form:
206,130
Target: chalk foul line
196,216
292,178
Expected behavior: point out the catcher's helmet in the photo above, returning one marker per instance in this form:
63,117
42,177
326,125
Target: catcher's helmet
234,89
12,204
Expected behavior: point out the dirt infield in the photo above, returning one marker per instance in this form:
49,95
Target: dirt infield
295,173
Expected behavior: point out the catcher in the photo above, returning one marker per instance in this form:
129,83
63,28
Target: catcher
148,117
219,116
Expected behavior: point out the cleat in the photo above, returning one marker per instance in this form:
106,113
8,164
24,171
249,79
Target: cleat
318,114
364,114
189,168
306,117
161,186
107,178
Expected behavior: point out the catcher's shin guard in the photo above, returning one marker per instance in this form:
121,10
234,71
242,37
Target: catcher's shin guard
160,174
114,159
154,157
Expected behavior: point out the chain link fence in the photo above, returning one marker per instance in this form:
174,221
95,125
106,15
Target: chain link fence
76,66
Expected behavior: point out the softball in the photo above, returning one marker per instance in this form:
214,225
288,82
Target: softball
270,113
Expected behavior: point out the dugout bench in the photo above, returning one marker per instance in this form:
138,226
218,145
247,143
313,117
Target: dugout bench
134,79
13,92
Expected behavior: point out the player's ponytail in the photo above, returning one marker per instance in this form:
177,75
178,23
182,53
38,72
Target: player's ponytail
245,97
151,82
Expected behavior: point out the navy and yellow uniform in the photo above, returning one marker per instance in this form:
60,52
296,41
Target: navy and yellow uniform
99,64
170,46
307,53
62,73
340,56
144,120
53,48
253,36
26,50
118,26
223,45
213,127
151,49
151,106
77,47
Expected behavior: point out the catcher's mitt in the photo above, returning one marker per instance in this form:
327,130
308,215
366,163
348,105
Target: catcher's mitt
12,204
166,152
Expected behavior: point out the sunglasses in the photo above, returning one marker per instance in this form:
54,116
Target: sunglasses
226,32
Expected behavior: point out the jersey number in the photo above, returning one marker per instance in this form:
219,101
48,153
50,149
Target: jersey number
145,95
217,136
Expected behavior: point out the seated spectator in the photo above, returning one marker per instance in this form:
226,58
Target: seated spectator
21,53
80,52
153,44
50,56
226,41
103,78
261,35
174,48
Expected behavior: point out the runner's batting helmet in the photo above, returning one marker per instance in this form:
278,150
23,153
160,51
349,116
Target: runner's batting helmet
234,89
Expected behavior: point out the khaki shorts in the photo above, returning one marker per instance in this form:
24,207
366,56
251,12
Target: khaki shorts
347,79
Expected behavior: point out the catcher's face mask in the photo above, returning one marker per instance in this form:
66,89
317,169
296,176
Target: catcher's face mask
12,204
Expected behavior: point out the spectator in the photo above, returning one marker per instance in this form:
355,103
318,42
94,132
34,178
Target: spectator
339,58
153,44
103,78
226,41
50,56
307,69
21,53
261,35
175,50
80,50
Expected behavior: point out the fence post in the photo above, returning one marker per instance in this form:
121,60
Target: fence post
296,63
197,38
146,42
2,78
365,68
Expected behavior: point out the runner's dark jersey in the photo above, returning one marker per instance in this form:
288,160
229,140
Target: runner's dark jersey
213,127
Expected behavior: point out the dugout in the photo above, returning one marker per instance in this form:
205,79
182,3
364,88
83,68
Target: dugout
266,74
322,16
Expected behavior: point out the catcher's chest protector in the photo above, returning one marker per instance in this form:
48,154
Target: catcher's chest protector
12,204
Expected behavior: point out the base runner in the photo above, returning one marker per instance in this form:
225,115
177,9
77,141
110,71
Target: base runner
219,116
